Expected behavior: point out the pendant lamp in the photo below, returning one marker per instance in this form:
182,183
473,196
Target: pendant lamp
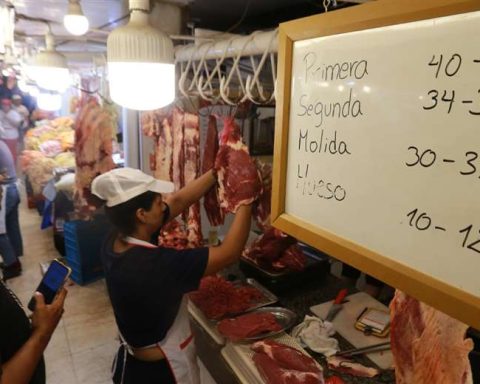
75,21
49,69
141,70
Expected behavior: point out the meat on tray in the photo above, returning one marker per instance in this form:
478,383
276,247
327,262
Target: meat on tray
280,364
248,325
276,251
428,346
238,177
218,297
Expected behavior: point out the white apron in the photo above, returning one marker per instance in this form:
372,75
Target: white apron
177,346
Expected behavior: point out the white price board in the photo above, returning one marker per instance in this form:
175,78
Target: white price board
379,144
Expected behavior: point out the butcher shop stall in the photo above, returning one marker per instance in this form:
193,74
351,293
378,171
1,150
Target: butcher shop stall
359,119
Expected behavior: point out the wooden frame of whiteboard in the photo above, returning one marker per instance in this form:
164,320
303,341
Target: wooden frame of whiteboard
451,300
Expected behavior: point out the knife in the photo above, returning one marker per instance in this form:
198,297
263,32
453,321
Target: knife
337,305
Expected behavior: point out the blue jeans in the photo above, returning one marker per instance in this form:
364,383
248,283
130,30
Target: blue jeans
11,245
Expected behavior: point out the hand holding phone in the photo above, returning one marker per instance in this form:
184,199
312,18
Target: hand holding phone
52,282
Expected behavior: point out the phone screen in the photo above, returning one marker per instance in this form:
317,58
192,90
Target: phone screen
52,281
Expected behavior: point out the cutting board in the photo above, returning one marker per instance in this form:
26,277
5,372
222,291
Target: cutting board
345,320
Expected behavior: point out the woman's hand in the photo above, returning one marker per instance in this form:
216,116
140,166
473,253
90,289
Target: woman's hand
45,318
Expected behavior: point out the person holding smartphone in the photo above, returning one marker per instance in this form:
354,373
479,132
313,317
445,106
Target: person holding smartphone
22,342
147,284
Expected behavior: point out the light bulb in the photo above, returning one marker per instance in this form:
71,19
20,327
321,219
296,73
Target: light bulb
49,101
141,86
141,70
75,21
76,24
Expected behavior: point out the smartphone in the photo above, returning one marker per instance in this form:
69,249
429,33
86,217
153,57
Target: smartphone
53,280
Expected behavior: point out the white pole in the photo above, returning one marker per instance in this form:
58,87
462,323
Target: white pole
258,45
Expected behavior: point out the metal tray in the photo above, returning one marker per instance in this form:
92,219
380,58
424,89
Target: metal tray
267,299
285,317
313,257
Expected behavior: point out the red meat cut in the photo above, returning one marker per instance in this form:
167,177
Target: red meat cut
248,325
238,177
428,346
276,251
272,373
292,259
286,357
211,201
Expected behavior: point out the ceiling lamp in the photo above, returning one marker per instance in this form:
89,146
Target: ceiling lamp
75,21
49,101
49,69
141,71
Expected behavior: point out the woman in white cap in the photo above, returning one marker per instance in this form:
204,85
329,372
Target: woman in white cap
147,284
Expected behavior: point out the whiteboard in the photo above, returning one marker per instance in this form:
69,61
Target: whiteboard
384,143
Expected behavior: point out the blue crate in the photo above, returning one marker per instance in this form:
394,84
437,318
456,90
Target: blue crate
83,242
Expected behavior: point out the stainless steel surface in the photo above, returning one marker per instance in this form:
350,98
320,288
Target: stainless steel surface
365,350
269,297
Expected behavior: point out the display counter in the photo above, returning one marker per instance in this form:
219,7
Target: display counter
299,300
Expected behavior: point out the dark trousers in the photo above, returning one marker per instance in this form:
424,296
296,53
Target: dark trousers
11,245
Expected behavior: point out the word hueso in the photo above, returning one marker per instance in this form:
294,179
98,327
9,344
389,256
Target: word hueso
350,107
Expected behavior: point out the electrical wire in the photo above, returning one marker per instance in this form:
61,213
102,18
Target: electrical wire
242,18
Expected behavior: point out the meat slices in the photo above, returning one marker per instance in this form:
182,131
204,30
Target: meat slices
238,177
211,201
428,346
281,364
248,325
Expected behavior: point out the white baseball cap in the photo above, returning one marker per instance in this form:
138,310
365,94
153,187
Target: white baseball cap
122,184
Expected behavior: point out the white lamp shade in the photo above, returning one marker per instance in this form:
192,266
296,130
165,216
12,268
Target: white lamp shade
141,86
49,101
50,78
140,64
76,24
49,68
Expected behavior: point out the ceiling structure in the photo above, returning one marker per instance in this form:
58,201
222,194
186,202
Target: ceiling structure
240,16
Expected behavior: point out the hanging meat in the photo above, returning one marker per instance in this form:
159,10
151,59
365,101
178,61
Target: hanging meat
428,346
238,178
211,201
191,172
164,152
94,132
280,364
262,207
